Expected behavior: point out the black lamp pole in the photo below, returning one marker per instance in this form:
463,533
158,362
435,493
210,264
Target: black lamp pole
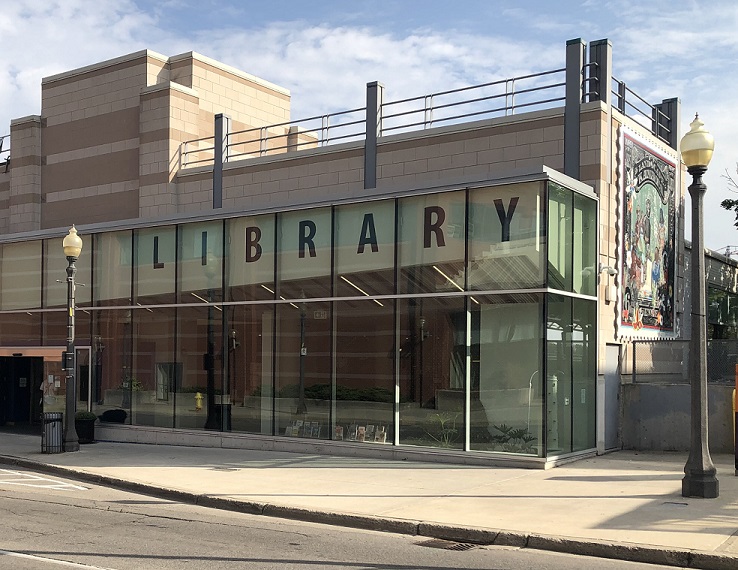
72,248
699,472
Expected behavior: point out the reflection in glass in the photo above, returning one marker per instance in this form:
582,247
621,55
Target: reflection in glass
250,364
506,356
584,371
364,249
559,371
303,370
113,385
304,254
506,237
432,378
431,243
560,237
20,278
199,389
154,367
365,385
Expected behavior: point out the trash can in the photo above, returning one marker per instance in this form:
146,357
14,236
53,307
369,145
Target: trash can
52,433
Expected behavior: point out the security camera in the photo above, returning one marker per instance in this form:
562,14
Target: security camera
611,271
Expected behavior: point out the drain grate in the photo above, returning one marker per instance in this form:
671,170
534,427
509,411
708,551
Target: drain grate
446,544
219,468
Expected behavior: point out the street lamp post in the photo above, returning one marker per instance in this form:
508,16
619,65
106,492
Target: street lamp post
72,247
699,472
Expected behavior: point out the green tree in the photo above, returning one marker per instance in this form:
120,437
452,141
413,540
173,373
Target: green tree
728,203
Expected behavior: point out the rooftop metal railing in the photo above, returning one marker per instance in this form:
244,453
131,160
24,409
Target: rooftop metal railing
500,98
629,103
497,98
312,132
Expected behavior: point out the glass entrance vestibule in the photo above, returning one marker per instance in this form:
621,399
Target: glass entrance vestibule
461,319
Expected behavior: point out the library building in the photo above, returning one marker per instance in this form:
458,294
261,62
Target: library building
447,277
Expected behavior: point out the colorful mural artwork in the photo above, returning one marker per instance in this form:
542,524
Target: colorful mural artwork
648,234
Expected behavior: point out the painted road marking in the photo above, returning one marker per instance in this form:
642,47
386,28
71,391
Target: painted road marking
24,479
51,561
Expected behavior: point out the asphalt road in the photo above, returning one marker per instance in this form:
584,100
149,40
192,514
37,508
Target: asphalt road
48,523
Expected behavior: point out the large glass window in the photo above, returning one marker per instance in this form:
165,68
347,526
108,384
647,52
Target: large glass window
364,249
304,254
584,374
432,356
506,355
431,243
506,237
155,265
113,378
250,266
113,328
584,264
250,364
55,273
303,370
304,391
250,261
559,386
365,366
202,400
572,232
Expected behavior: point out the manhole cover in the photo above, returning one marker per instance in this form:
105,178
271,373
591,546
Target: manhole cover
446,544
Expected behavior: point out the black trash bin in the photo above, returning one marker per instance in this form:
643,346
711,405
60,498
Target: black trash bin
52,433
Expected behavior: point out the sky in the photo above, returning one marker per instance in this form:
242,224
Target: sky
326,51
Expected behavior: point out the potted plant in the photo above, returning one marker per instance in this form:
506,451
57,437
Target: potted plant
84,423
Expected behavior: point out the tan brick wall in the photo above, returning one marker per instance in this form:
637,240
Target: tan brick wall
474,151
169,117
23,211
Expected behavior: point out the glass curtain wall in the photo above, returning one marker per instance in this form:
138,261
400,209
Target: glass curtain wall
202,400
432,329
507,251
364,250
111,278
250,265
464,320
155,369
571,338
303,328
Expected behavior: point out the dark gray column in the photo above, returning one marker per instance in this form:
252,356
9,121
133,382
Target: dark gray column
222,128
574,62
666,121
600,56
374,98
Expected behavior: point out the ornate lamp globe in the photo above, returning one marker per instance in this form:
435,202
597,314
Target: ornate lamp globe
697,145
72,243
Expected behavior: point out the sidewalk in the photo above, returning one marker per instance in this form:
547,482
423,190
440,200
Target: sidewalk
623,505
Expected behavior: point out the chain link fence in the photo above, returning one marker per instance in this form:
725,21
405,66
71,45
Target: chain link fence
667,362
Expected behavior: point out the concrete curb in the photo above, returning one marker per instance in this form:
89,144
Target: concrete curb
681,558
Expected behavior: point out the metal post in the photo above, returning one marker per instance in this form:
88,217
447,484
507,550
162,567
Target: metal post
572,108
301,405
374,99
71,441
699,472
222,128
211,422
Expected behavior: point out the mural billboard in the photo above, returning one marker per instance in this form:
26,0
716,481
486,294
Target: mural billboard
648,219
